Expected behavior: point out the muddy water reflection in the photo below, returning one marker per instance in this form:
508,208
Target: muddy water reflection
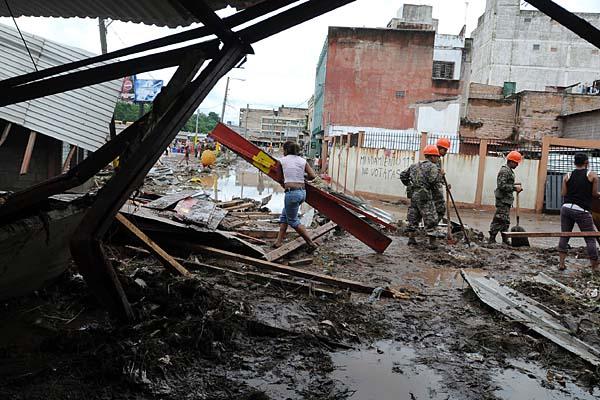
243,183
387,371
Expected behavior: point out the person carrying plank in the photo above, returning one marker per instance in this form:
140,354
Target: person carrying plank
423,178
579,188
504,196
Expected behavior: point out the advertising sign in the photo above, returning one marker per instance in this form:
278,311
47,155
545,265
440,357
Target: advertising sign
127,93
146,89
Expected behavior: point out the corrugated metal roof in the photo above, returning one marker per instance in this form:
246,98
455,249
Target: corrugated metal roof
152,12
79,117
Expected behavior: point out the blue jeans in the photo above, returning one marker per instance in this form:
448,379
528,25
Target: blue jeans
289,214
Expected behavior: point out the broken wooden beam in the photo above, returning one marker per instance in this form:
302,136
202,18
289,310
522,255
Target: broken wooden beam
28,153
530,313
242,206
5,133
303,261
270,266
299,242
262,234
167,260
230,203
550,234
249,238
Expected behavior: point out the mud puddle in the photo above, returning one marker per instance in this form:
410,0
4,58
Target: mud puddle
386,371
448,278
530,382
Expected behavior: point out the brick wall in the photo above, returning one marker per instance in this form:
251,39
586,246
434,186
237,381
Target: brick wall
45,160
489,119
582,126
373,76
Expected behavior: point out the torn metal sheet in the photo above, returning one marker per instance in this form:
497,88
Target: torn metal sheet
530,313
169,200
545,279
200,212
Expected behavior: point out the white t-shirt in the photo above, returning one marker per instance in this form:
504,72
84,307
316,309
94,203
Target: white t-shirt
293,168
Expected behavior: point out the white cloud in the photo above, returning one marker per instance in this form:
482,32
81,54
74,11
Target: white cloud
283,68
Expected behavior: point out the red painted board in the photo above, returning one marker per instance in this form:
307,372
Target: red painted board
329,205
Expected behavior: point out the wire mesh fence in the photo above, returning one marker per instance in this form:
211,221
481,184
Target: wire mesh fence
398,140
560,159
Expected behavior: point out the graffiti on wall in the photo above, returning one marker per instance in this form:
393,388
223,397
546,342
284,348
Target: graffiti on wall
386,165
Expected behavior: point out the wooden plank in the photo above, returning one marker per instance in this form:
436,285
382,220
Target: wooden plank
577,143
261,234
270,266
550,234
169,262
483,147
28,153
303,261
5,133
67,163
542,175
230,203
249,238
299,242
239,207
530,313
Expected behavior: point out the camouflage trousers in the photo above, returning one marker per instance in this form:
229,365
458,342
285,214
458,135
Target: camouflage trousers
501,221
422,207
440,204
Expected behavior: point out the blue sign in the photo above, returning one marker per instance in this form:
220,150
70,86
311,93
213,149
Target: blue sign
146,90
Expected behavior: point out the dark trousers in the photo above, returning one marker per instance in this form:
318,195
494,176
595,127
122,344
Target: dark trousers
568,218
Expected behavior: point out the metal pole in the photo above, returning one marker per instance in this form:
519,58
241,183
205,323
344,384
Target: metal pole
225,101
102,26
197,115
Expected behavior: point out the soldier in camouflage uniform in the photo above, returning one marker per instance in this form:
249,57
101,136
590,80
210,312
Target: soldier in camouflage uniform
504,196
422,179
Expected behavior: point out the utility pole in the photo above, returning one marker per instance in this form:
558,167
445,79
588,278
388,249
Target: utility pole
102,25
246,120
225,101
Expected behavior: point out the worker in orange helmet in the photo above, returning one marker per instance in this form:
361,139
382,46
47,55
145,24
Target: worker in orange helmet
504,196
423,178
443,145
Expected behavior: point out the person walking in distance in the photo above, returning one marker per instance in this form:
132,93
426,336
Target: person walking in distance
439,199
294,167
505,188
579,188
423,179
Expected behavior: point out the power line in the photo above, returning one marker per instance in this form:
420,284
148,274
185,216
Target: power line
20,33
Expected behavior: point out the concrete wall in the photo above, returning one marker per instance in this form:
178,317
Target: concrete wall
45,160
449,48
376,173
582,126
529,48
439,117
374,75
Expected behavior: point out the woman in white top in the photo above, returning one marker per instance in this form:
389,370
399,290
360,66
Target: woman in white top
294,167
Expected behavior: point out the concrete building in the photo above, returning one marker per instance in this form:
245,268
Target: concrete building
527,115
274,126
527,50
378,78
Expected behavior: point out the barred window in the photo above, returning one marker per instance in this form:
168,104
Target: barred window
443,70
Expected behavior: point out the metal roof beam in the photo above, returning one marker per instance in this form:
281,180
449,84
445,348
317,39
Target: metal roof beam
88,77
237,19
576,24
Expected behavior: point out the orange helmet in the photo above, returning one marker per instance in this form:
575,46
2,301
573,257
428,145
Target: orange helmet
515,156
431,150
444,142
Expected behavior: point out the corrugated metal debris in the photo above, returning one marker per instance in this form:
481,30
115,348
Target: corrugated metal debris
151,12
79,117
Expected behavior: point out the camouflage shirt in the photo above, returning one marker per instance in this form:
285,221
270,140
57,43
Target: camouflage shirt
505,186
424,176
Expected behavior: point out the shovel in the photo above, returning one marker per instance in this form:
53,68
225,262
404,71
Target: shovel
522,241
457,214
451,239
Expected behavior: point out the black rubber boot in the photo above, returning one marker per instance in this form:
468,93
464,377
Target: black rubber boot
492,239
411,240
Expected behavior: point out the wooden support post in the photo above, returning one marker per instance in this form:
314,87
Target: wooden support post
169,262
28,153
5,133
361,143
67,163
542,174
422,145
483,146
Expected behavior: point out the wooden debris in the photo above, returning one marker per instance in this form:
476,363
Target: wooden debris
249,238
337,282
299,242
530,313
231,225
304,261
262,234
169,262
243,206
230,203
550,234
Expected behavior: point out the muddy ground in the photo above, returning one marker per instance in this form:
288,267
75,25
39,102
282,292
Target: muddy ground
220,337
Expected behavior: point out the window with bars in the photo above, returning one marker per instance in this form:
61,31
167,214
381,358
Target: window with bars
443,70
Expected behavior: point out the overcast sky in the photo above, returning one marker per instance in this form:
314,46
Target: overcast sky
283,69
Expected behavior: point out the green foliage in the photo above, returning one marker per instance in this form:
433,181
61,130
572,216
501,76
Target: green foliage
130,112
